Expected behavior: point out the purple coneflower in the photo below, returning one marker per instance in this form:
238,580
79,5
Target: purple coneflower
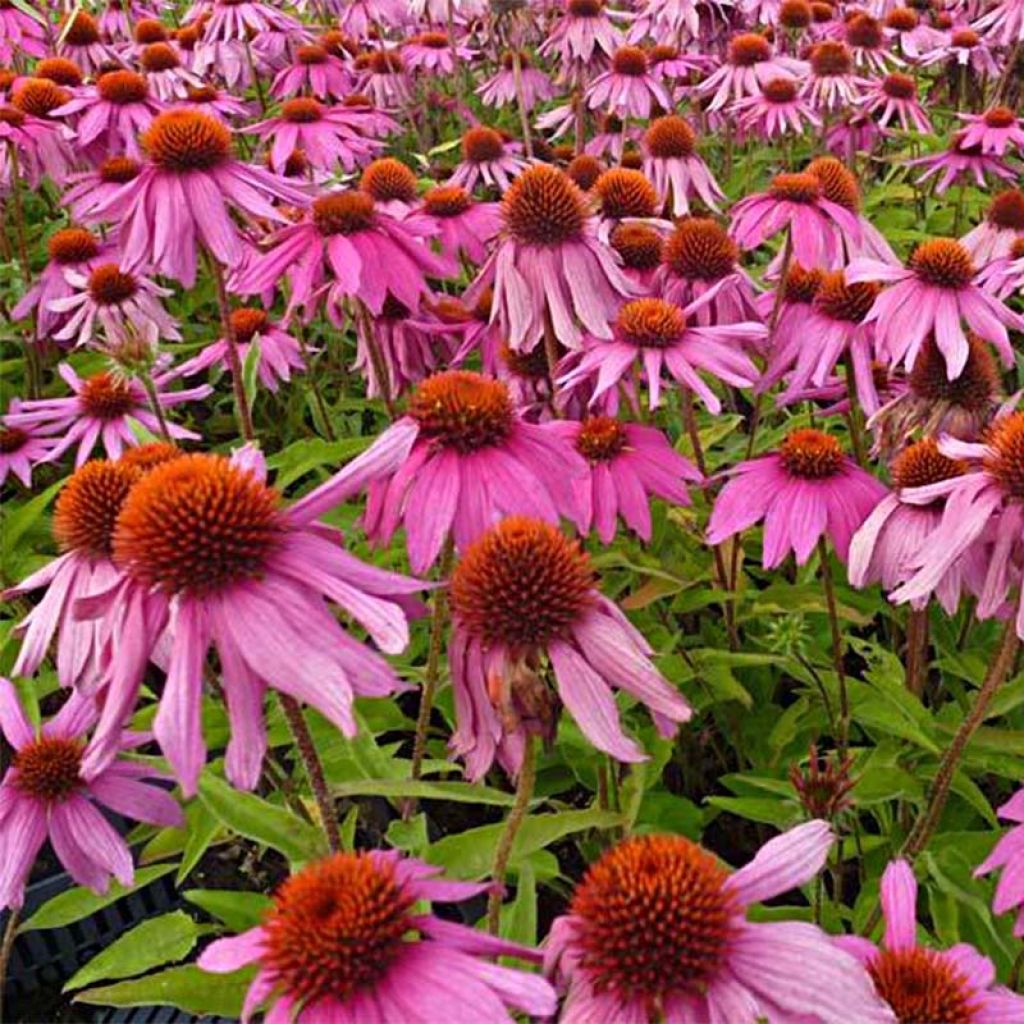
314,70
922,984
487,158
895,97
384,78
21,448
628,88
1006,854
524,594
672,165
866,39
1005,274
206,99
749,64
500,89
832,84
80,41
459,224
806,490
166,75
658,929
995,131
91,189
965,49
584,32
778,110
314,966
20,34
39,144
1002,227
433,53
935,292
962,162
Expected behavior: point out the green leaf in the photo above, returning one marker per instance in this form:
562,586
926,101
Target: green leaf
158,941
203,827
770,812
302,457
186,988
78,903
250,371
239,910
456,792
16,523
519,919
259,820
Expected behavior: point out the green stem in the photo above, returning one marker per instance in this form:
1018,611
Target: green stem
837,648
242,410
6,948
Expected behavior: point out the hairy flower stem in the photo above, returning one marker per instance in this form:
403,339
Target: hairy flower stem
380,370
6,948
853,418
917,650
242,410
524,792
314,770
146,379
843,739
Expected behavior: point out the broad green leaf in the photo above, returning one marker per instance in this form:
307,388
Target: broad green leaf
186,988
78,903
158,941
302,457
14,524
769,812
239,910
257,819
203,827
519,919
250,371
456,792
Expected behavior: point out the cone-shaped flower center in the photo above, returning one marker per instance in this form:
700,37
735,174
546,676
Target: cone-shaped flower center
122,87
651,323
301,110
106,397
748,49
899,87
481,145
670,137
630,60
626,193
972,390
247,323
922,463
903,19
149,31
187,140
295,165
1017,249
88,506
343,213
584,170
335,928
700,248
661,52
638,245
202,94
159,57
1006,464
811,454
12,439
386,62
59,70
336,43
838,185
197,524
864,32
48,769
801,284
462,410
601,438
527,365
82,30
943,262
795,14
38,96
72,245
522,584
965,38
433,40
654,919
508,60
109,285
920,986
796,188
447,201
1000,117
840,300
12,116
543,206
117,170
1007,210
831,58
388,178
148,456
779,90
585,8
311,55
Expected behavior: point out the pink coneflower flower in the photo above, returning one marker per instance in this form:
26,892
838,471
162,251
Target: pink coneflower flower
625,195
994,131
523,594
432,53
1005,275
806,490
667,19
699,257
21,449
895,97
314,70
922,984
500,89
655,337
852,135
102,409
912,36
611,137
628,88
966,49
357,18
794,311
583,32
39,144
393,186
832,84
206,552
935,292
47,794
83,524
110,306
166,75
221,104
326,135
796,203
962,162
1003,226
80,41
314,966
870,48
114,112
20,33
459,460
244,19
883,547
487,158
777,111
749,64
672,165
459,224
385,79
184,194
344,248
1006,855
91,189
548,268
658,929
67,249
629,464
